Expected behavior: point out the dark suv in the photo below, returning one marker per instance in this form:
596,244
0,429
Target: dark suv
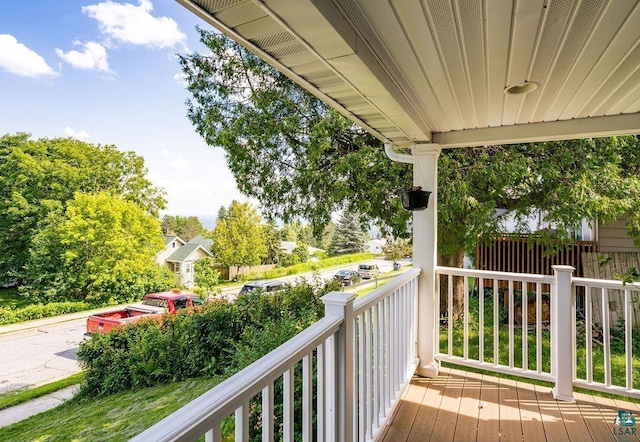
265,285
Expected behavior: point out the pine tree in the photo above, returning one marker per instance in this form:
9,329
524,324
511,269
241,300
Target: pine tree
348,236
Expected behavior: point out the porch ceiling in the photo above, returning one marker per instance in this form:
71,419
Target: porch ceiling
436,70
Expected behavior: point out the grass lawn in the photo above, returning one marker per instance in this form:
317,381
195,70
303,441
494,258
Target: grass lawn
114,418
617,345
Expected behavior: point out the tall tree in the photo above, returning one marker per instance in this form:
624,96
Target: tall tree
186,227
38,177
238,240
299,158
273,243
348,236
101,248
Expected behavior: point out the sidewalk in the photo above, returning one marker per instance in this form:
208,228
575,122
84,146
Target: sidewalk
23,411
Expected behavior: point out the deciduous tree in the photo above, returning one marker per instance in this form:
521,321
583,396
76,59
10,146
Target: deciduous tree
38,177
300,158
101,248
238,239
186,227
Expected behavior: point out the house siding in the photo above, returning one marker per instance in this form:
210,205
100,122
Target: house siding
613,237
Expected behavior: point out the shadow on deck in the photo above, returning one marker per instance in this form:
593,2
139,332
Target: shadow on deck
464,406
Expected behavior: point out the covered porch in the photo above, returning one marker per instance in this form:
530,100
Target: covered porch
352,375
430,75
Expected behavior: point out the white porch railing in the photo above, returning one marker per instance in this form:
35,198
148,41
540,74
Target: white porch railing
363,354
525,325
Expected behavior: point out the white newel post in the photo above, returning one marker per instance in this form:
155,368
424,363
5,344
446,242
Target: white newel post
425,222
563,330
341,369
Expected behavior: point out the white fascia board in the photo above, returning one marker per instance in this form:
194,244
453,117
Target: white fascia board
607,126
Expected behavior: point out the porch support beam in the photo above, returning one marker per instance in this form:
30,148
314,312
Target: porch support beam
425,253
563,332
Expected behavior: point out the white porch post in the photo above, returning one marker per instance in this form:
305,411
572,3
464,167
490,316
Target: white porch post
425,222
341,415
562,333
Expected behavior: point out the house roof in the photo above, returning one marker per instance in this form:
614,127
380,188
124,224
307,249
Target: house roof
204,242
185,252
437,71
168,239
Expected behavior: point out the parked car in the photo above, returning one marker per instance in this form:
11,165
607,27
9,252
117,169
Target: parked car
368,271
266,285
348,277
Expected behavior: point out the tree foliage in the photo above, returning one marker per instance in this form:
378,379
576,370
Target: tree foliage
273,243
206,277
100,249
38,177
186,227
348,236
238,239
396,249
298,157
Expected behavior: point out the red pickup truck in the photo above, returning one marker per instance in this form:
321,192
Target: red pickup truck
152,305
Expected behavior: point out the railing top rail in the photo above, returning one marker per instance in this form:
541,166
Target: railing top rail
488,274
196,418
606,283
366,302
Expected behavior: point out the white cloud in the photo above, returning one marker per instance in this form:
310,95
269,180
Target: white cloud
128,23
181,79
179,163
18,59
92,57
191,196
68,131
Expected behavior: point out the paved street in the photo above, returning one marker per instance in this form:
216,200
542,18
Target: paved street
39,356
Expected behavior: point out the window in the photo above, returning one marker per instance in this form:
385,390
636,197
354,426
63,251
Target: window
176,267
187,267
180,303
155,302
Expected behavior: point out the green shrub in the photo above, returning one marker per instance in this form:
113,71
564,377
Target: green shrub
279,272
219,339
39,311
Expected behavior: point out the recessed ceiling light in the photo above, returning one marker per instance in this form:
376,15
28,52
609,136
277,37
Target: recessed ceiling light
522,88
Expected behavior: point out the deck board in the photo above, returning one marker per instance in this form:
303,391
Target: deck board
467,425
489,410
510,426
531,418
465,406
554,428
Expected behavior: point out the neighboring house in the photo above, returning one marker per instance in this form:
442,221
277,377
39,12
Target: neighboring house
180,256
288,246
171,244
375,246
613,237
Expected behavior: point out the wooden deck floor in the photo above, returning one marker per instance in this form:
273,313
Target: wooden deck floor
463,406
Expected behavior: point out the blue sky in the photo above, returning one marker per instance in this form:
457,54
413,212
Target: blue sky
105,72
